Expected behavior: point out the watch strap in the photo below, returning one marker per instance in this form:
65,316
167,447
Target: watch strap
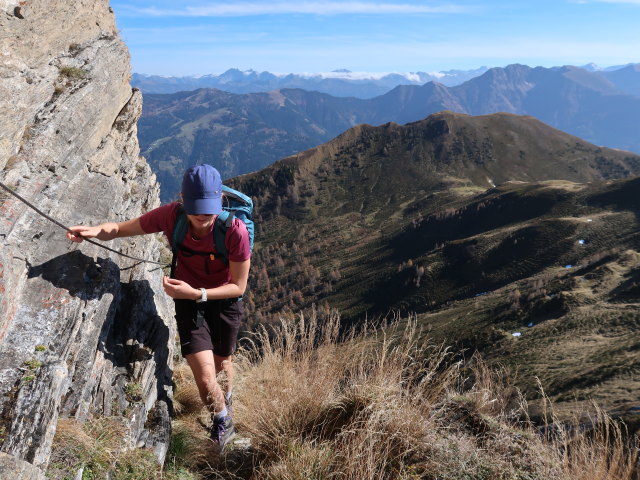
203,296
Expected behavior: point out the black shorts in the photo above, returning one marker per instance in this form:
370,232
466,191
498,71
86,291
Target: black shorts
212,325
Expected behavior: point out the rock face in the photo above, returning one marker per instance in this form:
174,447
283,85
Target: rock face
83,332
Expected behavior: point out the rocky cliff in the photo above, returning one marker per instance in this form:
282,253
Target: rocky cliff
83,332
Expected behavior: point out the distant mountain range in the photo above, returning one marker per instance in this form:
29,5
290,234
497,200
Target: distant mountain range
627,78
339,83
244,133
343,83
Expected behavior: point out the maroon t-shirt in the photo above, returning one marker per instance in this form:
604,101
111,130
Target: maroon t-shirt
193,269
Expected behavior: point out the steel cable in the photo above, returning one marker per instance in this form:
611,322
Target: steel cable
40,212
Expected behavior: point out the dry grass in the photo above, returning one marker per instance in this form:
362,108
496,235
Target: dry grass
96,450
601,454
72,72
372,406
92,447
186,399
379,404
590,446
384,406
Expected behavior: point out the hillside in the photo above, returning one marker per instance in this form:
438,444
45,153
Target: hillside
407,219
627,78
236,133
244,133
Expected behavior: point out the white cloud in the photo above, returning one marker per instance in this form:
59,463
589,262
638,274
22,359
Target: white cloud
289,7
169,38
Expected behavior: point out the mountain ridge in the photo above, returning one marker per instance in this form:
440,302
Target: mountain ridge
406,219
343,82
251,131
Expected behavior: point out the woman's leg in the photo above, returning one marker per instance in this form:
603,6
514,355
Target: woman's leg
203,367
225,337
225,364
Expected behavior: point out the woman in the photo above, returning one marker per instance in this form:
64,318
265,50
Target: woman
206,291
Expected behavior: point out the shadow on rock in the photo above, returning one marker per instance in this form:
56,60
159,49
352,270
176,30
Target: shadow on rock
139,334
79,274
134,340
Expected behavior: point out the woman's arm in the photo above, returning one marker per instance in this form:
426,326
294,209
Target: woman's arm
239,272
106,231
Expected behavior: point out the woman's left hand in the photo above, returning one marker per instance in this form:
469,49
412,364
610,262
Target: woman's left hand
179,289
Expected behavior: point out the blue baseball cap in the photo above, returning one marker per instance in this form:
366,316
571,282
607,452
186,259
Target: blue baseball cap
202,190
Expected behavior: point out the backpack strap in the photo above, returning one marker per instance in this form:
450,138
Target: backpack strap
179,232
222,224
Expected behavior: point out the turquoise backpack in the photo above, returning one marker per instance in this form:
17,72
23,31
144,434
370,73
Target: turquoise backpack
234,205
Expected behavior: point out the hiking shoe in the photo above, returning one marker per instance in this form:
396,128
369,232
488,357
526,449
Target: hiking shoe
222,431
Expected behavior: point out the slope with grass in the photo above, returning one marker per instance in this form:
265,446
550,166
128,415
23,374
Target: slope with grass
568,314
379,206
368,406
404,219
236,133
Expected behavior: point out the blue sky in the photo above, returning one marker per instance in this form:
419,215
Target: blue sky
195,37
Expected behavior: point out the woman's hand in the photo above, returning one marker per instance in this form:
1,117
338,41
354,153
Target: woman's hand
106,231
179,289
80,232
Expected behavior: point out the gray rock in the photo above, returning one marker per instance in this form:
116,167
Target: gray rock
19,469
80,327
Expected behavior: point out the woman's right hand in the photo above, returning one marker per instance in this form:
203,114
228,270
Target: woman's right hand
80,232
106,231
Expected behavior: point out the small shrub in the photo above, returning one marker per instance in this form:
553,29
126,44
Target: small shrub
133,391
72,72
33,364
92,447
139,464
188,447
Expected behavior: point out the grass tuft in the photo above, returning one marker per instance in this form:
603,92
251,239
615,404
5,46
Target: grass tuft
92,447
72,72
96,450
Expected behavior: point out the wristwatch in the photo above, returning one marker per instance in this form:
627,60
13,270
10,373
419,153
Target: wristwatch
203,297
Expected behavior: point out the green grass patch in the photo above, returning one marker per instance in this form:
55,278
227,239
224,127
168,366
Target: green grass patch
72,72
